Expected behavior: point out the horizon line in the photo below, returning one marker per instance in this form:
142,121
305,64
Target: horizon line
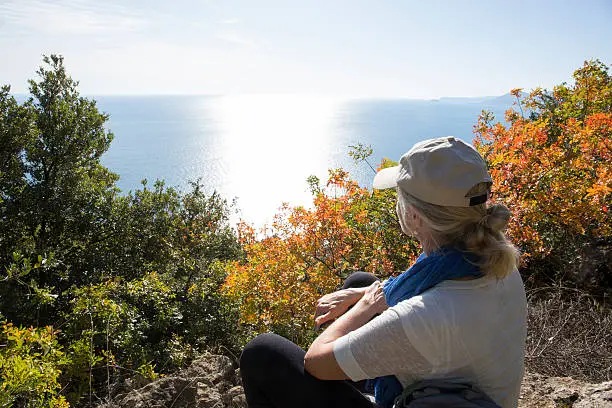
282,94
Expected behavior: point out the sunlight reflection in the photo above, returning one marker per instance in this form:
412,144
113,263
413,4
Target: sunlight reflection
270,145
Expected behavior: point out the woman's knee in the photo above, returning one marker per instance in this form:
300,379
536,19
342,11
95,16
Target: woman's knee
269,349
359,279
257,350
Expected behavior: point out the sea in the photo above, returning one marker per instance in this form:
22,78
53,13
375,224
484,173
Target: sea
258,150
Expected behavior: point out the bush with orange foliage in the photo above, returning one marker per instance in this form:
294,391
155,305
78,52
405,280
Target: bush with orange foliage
306,252
552,166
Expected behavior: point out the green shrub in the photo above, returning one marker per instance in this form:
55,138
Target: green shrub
30,365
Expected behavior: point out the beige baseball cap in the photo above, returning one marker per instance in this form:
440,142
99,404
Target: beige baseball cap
439,171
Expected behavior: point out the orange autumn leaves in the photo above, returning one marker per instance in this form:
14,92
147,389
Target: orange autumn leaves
305,252
552,166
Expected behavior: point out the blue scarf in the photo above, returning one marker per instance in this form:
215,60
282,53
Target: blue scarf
443,264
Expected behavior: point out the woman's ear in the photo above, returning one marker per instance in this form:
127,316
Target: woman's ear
414,221
417,221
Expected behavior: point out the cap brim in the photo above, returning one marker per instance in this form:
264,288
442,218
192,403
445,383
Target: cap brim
386,178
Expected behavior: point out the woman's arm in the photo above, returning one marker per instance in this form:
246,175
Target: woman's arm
320,360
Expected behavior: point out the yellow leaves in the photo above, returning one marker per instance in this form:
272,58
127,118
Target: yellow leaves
59,402
516,92
599,191
147,370
30,362
385,163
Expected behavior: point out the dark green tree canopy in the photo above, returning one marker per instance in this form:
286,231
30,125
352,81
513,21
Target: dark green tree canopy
65,227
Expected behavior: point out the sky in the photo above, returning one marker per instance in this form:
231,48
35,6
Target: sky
357,48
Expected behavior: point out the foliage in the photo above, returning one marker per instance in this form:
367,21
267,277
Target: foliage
132,279
554,167
56,196
305,253
30,362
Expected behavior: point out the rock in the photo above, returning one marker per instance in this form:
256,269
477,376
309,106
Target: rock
213,382
208,396
235,398
210,382
539,391
596,395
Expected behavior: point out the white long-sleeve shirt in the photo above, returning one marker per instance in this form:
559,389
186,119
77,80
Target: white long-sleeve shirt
469,329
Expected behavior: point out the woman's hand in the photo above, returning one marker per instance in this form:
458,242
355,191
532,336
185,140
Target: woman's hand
373,300
320,360
334,305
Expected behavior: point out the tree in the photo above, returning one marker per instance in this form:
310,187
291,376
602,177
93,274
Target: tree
56,196
553,168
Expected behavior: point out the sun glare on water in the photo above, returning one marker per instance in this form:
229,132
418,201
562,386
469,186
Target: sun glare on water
269,145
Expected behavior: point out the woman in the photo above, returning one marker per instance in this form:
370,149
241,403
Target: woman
458,313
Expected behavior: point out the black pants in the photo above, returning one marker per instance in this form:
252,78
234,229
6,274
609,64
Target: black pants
273,375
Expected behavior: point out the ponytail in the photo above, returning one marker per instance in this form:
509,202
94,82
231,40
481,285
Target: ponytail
477,229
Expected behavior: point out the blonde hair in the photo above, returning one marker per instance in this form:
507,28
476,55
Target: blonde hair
478,229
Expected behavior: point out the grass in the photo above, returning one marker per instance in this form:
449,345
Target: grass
569,334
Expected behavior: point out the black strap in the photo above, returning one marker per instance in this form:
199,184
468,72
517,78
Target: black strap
478,199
